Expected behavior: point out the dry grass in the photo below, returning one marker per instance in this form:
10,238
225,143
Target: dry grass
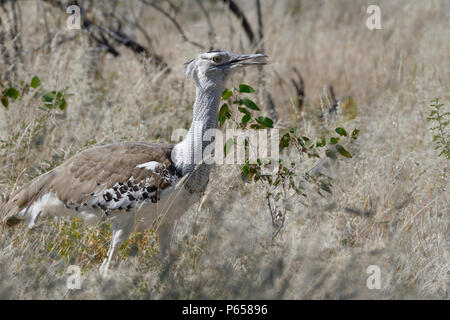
224,250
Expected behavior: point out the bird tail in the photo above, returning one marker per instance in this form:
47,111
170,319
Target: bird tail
14,207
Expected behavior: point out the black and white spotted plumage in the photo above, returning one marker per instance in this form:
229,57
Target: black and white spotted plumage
128,194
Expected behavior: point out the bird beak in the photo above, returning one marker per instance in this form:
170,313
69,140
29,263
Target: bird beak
243,60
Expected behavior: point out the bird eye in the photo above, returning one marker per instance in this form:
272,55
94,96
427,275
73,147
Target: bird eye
217,59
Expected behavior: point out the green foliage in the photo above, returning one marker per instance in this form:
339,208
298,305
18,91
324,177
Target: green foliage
54,100
355,134
51,99
246,88
285,141
439,119
343,152
35,82
248,103
264,122
47,103
224,113
334,140
12,93
341,131
226,94
9,93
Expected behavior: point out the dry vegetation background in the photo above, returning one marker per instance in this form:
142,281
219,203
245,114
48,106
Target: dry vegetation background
389,205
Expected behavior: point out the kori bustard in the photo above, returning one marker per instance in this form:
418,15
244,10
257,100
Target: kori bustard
135,185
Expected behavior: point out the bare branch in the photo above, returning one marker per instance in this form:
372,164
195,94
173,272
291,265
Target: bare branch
299,88
271,108
156,57
4,50
105,43
11,24
270,105
260,27
241,16
334,102
211,31
175,23
116,35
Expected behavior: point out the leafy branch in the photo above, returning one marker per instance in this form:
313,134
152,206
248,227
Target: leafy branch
50,99
280,178
48,102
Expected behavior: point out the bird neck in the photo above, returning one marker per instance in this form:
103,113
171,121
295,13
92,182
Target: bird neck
206,105
190,152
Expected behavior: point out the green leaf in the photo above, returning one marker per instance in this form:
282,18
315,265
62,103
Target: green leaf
35,82
246,118
293,130
11,93
245,169
227,146
334,140
224,113
342,151
249,104
265,121
226,94
246,88
5,101
48,97
244,173
321,143
355,134
341,131
243,110
62,104
284,141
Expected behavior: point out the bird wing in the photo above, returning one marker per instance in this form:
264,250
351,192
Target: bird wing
107,177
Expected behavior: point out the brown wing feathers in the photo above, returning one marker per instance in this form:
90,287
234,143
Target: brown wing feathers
95,169
24,196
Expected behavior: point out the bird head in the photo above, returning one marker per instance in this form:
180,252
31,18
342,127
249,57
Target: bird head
214,67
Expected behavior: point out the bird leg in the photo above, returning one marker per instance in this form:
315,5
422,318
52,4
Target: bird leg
121,230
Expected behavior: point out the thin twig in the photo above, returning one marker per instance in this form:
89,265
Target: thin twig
175,23
116,35
299,88
334,102
241,16
211,30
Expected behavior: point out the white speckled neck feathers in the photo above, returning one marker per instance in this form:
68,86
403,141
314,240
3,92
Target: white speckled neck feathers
188,153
